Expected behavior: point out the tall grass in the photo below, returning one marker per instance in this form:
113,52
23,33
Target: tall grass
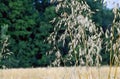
113,36
84,37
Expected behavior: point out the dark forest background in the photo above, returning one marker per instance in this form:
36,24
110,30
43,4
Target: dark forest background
25,25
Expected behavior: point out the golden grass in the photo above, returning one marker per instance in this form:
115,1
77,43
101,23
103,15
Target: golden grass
59,73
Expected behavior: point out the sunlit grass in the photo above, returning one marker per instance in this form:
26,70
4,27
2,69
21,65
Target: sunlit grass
59,73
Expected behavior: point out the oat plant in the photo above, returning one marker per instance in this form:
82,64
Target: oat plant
82,37
4,43
112,36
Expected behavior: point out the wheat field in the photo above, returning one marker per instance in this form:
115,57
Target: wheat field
59,73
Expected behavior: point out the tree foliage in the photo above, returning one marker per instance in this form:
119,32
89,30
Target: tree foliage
27,29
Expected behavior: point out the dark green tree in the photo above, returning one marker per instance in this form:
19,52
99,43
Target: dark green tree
28,29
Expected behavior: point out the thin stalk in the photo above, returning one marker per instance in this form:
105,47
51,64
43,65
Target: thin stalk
76,60
116,68
117,64
99,73
111,53
112,59
110,68
85,44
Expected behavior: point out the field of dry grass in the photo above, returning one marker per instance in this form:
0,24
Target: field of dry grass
59,73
